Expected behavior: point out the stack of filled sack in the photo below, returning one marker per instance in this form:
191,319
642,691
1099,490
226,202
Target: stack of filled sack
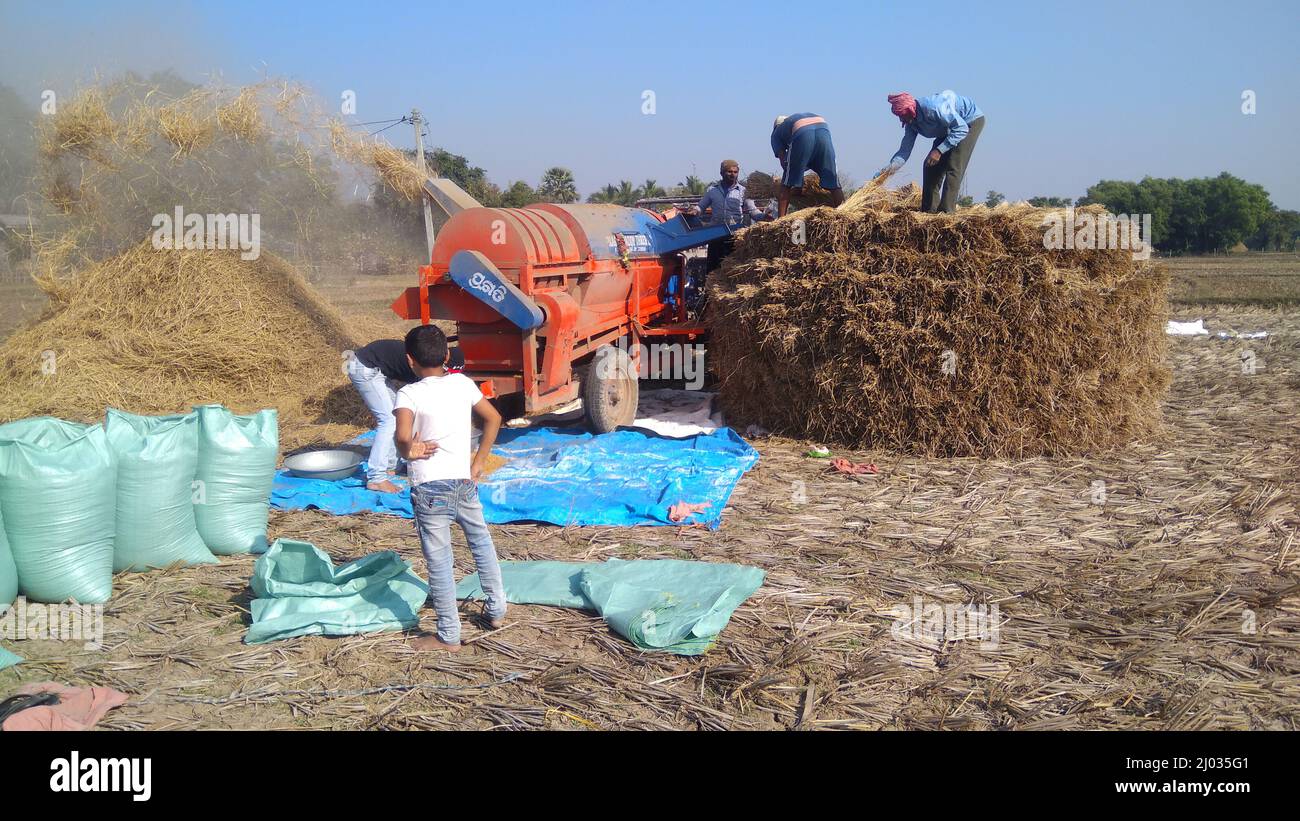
81,502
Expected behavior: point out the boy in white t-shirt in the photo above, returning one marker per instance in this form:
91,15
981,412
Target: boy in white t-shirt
433,435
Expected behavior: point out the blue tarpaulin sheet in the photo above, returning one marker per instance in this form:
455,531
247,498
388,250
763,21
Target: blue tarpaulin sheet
568,476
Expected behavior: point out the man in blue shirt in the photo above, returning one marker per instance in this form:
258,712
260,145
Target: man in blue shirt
954,123
727,201
802,142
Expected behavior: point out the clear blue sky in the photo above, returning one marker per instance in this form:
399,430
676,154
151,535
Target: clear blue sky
1074,92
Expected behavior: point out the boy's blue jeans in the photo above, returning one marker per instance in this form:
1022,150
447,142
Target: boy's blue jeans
437,505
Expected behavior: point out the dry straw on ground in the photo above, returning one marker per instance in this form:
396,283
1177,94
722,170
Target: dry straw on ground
1171,606
873,325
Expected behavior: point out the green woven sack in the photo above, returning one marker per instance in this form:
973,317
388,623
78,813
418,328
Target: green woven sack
157,464
58,499
232,499
8,570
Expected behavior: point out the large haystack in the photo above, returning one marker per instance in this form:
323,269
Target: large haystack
156,331
937,334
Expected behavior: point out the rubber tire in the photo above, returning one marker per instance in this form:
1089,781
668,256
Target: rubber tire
610,390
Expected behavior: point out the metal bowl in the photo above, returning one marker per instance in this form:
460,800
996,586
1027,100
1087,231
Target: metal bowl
330,465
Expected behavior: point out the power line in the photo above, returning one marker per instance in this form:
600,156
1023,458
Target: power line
385,128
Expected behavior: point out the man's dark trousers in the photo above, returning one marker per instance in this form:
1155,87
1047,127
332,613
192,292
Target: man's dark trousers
948,172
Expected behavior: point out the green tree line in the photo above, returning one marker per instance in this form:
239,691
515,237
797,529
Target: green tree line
1197,216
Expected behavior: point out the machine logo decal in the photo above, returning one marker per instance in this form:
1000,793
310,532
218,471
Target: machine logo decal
479,282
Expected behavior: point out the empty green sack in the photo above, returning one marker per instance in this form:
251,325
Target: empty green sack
665,605
58,499
232,499
299,592
157,469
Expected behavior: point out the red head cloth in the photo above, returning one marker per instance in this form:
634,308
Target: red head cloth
903,105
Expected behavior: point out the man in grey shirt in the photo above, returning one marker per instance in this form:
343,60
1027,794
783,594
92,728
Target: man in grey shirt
727,201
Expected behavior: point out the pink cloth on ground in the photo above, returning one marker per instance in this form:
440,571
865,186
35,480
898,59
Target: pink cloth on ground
79,708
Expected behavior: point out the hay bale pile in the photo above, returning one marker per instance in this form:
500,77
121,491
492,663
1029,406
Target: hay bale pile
938,334
156,331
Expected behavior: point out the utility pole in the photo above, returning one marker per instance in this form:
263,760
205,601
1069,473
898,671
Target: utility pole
419,162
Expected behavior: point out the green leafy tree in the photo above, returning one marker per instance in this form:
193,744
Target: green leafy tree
1050,202
994,198
1189,216
1278,232
965,202
469,177
558,186
1234,211
518,194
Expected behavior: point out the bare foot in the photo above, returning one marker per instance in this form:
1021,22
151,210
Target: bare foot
497,624
435,643
383,487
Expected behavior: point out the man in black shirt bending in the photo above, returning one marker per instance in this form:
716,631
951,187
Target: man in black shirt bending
372,369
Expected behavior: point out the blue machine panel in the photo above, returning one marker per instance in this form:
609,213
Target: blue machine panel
475,273
642,233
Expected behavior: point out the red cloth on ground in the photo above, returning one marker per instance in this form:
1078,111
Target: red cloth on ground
79,708
852,468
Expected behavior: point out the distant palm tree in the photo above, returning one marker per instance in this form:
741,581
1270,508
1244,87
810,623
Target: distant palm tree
694,186
607,194
558,186
627,193
652,189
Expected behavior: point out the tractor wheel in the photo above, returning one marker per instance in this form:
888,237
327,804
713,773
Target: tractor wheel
609,391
